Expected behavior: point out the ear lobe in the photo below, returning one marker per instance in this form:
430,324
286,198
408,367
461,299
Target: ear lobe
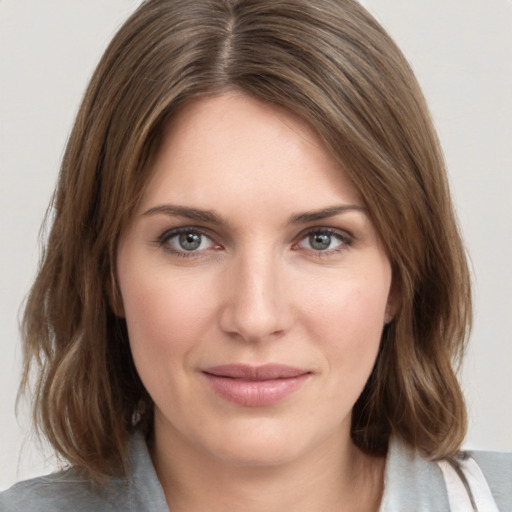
118,307
392,305
388,316
115,299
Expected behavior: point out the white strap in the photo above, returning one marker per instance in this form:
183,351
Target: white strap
467,487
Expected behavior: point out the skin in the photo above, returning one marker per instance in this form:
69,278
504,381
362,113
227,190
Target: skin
257,290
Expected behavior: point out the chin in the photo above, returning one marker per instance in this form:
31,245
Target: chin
261,443
261,453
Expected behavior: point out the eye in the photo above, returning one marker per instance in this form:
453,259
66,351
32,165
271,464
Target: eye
190,241
324,240
186,241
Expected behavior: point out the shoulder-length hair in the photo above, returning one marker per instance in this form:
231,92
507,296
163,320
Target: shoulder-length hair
331,63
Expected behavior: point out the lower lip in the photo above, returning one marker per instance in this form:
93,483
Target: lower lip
250,393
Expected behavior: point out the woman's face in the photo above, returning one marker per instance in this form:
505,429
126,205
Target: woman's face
254,286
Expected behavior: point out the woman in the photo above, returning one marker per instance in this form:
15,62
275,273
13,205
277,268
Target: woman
254,290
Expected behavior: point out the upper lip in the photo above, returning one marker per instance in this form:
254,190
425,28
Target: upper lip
255,373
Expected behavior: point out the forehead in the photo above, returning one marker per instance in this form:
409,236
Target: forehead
233,145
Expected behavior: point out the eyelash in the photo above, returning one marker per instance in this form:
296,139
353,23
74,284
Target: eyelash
166,236
342,236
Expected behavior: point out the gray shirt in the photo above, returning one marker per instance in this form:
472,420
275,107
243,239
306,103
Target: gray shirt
411,484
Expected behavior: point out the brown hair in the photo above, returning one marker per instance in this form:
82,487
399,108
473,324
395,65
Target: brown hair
331,63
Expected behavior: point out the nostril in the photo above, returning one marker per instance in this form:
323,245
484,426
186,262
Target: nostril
252,321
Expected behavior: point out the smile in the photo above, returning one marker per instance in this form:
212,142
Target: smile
255,386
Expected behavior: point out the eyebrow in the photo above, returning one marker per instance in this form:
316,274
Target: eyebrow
211,217
186,212
324,213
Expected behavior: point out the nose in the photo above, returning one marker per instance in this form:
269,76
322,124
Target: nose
256,305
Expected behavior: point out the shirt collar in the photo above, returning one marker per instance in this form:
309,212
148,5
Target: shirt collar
411,482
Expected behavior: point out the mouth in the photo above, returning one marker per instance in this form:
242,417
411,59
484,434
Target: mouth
255,386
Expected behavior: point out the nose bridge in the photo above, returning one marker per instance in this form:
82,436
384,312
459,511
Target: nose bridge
256,305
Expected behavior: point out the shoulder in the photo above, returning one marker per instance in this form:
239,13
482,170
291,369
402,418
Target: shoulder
63,491
497,469
69,490
413,482
495,464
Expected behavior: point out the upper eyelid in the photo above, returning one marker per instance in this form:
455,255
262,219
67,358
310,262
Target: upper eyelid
343,233
171,232
208,232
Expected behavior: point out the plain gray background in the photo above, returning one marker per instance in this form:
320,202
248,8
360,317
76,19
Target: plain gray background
461,51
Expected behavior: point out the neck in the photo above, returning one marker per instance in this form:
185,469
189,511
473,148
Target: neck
336,476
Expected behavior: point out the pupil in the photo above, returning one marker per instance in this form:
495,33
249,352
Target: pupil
320,242
190,241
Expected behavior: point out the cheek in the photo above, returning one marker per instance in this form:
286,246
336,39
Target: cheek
166,318
352,304
346,316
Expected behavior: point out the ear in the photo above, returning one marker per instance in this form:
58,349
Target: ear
115,300
393,303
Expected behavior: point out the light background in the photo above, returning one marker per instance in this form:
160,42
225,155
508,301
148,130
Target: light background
461,51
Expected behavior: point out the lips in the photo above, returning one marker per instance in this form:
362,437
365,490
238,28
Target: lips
255,386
